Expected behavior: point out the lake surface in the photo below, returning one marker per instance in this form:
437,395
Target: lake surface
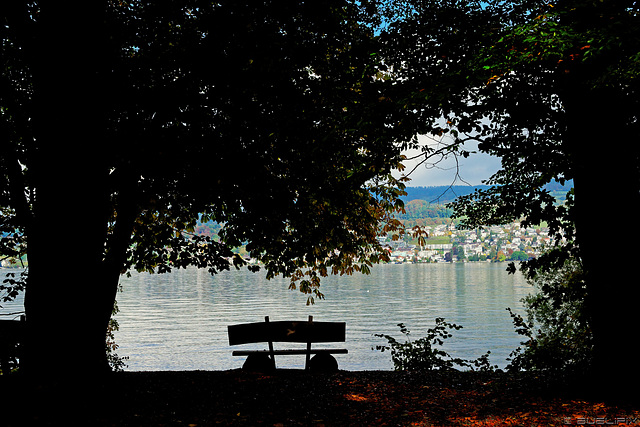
179,321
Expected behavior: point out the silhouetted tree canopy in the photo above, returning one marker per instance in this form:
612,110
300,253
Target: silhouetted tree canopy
127,123
551,88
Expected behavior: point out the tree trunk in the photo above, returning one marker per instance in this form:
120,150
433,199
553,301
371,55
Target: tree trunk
603,151
69,295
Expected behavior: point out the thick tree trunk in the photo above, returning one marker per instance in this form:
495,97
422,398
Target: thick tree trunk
69,296
604,156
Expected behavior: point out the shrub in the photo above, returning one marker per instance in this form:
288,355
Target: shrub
116,362
421,355
558,335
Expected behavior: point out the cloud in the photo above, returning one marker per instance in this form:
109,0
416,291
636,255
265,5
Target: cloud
449,170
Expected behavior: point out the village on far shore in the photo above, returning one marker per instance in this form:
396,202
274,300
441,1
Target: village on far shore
446,243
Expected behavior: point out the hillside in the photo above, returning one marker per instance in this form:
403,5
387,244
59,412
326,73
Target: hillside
440,194
421,209
423,205
429,203
444,194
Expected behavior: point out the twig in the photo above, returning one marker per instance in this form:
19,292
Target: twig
445,151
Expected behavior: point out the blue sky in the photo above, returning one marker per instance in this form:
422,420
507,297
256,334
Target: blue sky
472,170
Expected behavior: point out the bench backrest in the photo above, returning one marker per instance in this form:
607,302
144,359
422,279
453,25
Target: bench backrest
287,331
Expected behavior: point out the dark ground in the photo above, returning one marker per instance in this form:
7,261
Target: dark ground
289,397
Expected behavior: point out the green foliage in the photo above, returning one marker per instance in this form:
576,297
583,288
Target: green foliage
476,257
557,329
416,209
117,363
439,240
509,74
519,256
423,355
458,251
537,83
11,285
293,97
275,123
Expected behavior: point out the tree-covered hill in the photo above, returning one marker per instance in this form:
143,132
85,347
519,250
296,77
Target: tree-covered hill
445,194
440,194
419,209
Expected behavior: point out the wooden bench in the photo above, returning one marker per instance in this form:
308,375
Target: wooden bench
11,337
288,331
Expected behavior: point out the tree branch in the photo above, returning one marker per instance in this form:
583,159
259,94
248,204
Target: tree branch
443,152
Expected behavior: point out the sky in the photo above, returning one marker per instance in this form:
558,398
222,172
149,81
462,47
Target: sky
471,170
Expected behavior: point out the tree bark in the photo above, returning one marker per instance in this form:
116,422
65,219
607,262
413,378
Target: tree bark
69,295
603,151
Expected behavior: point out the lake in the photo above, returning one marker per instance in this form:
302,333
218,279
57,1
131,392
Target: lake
179,321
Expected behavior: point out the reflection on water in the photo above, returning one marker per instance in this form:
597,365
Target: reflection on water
178,321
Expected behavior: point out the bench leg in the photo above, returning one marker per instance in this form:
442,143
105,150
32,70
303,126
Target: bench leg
323,362
259,362
308,356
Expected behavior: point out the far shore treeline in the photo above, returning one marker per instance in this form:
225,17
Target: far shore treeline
443,194
421,203
427,203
